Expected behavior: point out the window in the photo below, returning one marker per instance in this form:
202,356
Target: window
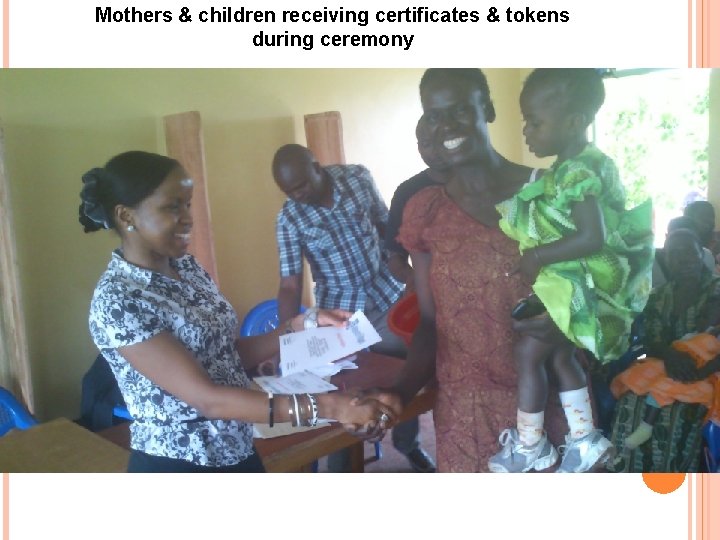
655,125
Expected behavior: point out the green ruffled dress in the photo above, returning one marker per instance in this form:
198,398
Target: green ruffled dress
593,300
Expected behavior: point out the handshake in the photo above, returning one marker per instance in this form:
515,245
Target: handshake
368,414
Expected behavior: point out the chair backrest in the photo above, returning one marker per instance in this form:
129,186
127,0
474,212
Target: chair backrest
262,319
404,317
13,414
711,432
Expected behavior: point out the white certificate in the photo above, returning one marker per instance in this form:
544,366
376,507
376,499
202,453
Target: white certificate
317,347
301,382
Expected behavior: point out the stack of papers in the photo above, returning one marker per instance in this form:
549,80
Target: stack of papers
316,349
302,382
308,356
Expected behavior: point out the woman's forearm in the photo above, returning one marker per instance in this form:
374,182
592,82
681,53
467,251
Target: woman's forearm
419,368
229,403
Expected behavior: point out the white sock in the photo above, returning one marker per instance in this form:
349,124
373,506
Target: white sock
578,411
530,427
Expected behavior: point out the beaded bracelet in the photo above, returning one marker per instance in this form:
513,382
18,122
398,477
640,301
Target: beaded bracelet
271,409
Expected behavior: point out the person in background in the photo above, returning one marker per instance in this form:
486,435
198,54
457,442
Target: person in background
660,273
664,399
334,216
170,337
437,173
703,215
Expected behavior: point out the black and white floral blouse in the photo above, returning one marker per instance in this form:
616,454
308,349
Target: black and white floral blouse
132,304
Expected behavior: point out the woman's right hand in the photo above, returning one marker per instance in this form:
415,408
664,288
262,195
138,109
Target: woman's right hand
387,397
680,367
363,413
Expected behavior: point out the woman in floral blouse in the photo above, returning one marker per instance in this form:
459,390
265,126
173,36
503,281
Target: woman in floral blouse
170,337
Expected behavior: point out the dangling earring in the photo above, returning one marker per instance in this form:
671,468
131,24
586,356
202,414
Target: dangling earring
130,228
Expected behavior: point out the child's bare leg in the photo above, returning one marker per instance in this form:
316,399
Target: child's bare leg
531,356
527,447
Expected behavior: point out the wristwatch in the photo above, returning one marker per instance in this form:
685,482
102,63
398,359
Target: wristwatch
310,318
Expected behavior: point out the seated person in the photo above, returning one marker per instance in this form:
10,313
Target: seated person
659,271
687,304
702,213
649,377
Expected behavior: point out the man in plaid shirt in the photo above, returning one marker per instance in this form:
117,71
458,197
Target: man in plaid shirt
335,218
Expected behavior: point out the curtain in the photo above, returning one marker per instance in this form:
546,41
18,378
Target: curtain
14,359
184,142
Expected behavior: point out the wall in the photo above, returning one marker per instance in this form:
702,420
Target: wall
60,123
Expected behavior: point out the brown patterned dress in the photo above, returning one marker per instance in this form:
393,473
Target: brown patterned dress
473,299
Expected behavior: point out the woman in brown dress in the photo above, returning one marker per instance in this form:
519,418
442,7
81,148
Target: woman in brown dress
461,260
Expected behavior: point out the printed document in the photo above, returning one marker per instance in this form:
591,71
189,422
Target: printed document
319,347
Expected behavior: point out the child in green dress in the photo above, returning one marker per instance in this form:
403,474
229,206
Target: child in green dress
589,261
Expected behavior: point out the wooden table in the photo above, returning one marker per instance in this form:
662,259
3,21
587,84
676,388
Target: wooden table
295,452
60,446
292,453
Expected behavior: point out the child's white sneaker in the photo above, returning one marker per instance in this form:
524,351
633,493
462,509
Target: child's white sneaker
581,455
516,457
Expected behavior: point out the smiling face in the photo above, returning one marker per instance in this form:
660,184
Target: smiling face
162,223
427,149
550,130
455,114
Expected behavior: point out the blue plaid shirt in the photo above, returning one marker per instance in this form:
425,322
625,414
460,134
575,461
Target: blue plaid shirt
340,243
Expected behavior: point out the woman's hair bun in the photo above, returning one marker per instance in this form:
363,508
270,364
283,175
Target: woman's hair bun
93,215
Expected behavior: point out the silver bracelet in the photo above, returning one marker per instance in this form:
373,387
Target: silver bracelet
313,404
310,318
297,410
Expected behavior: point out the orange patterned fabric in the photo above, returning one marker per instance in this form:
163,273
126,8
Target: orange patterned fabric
648,376
475,369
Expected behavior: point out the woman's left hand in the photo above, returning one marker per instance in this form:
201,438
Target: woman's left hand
325,317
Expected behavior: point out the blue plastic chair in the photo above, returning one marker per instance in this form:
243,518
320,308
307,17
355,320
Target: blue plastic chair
711,433
13,414
122,412
263,318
